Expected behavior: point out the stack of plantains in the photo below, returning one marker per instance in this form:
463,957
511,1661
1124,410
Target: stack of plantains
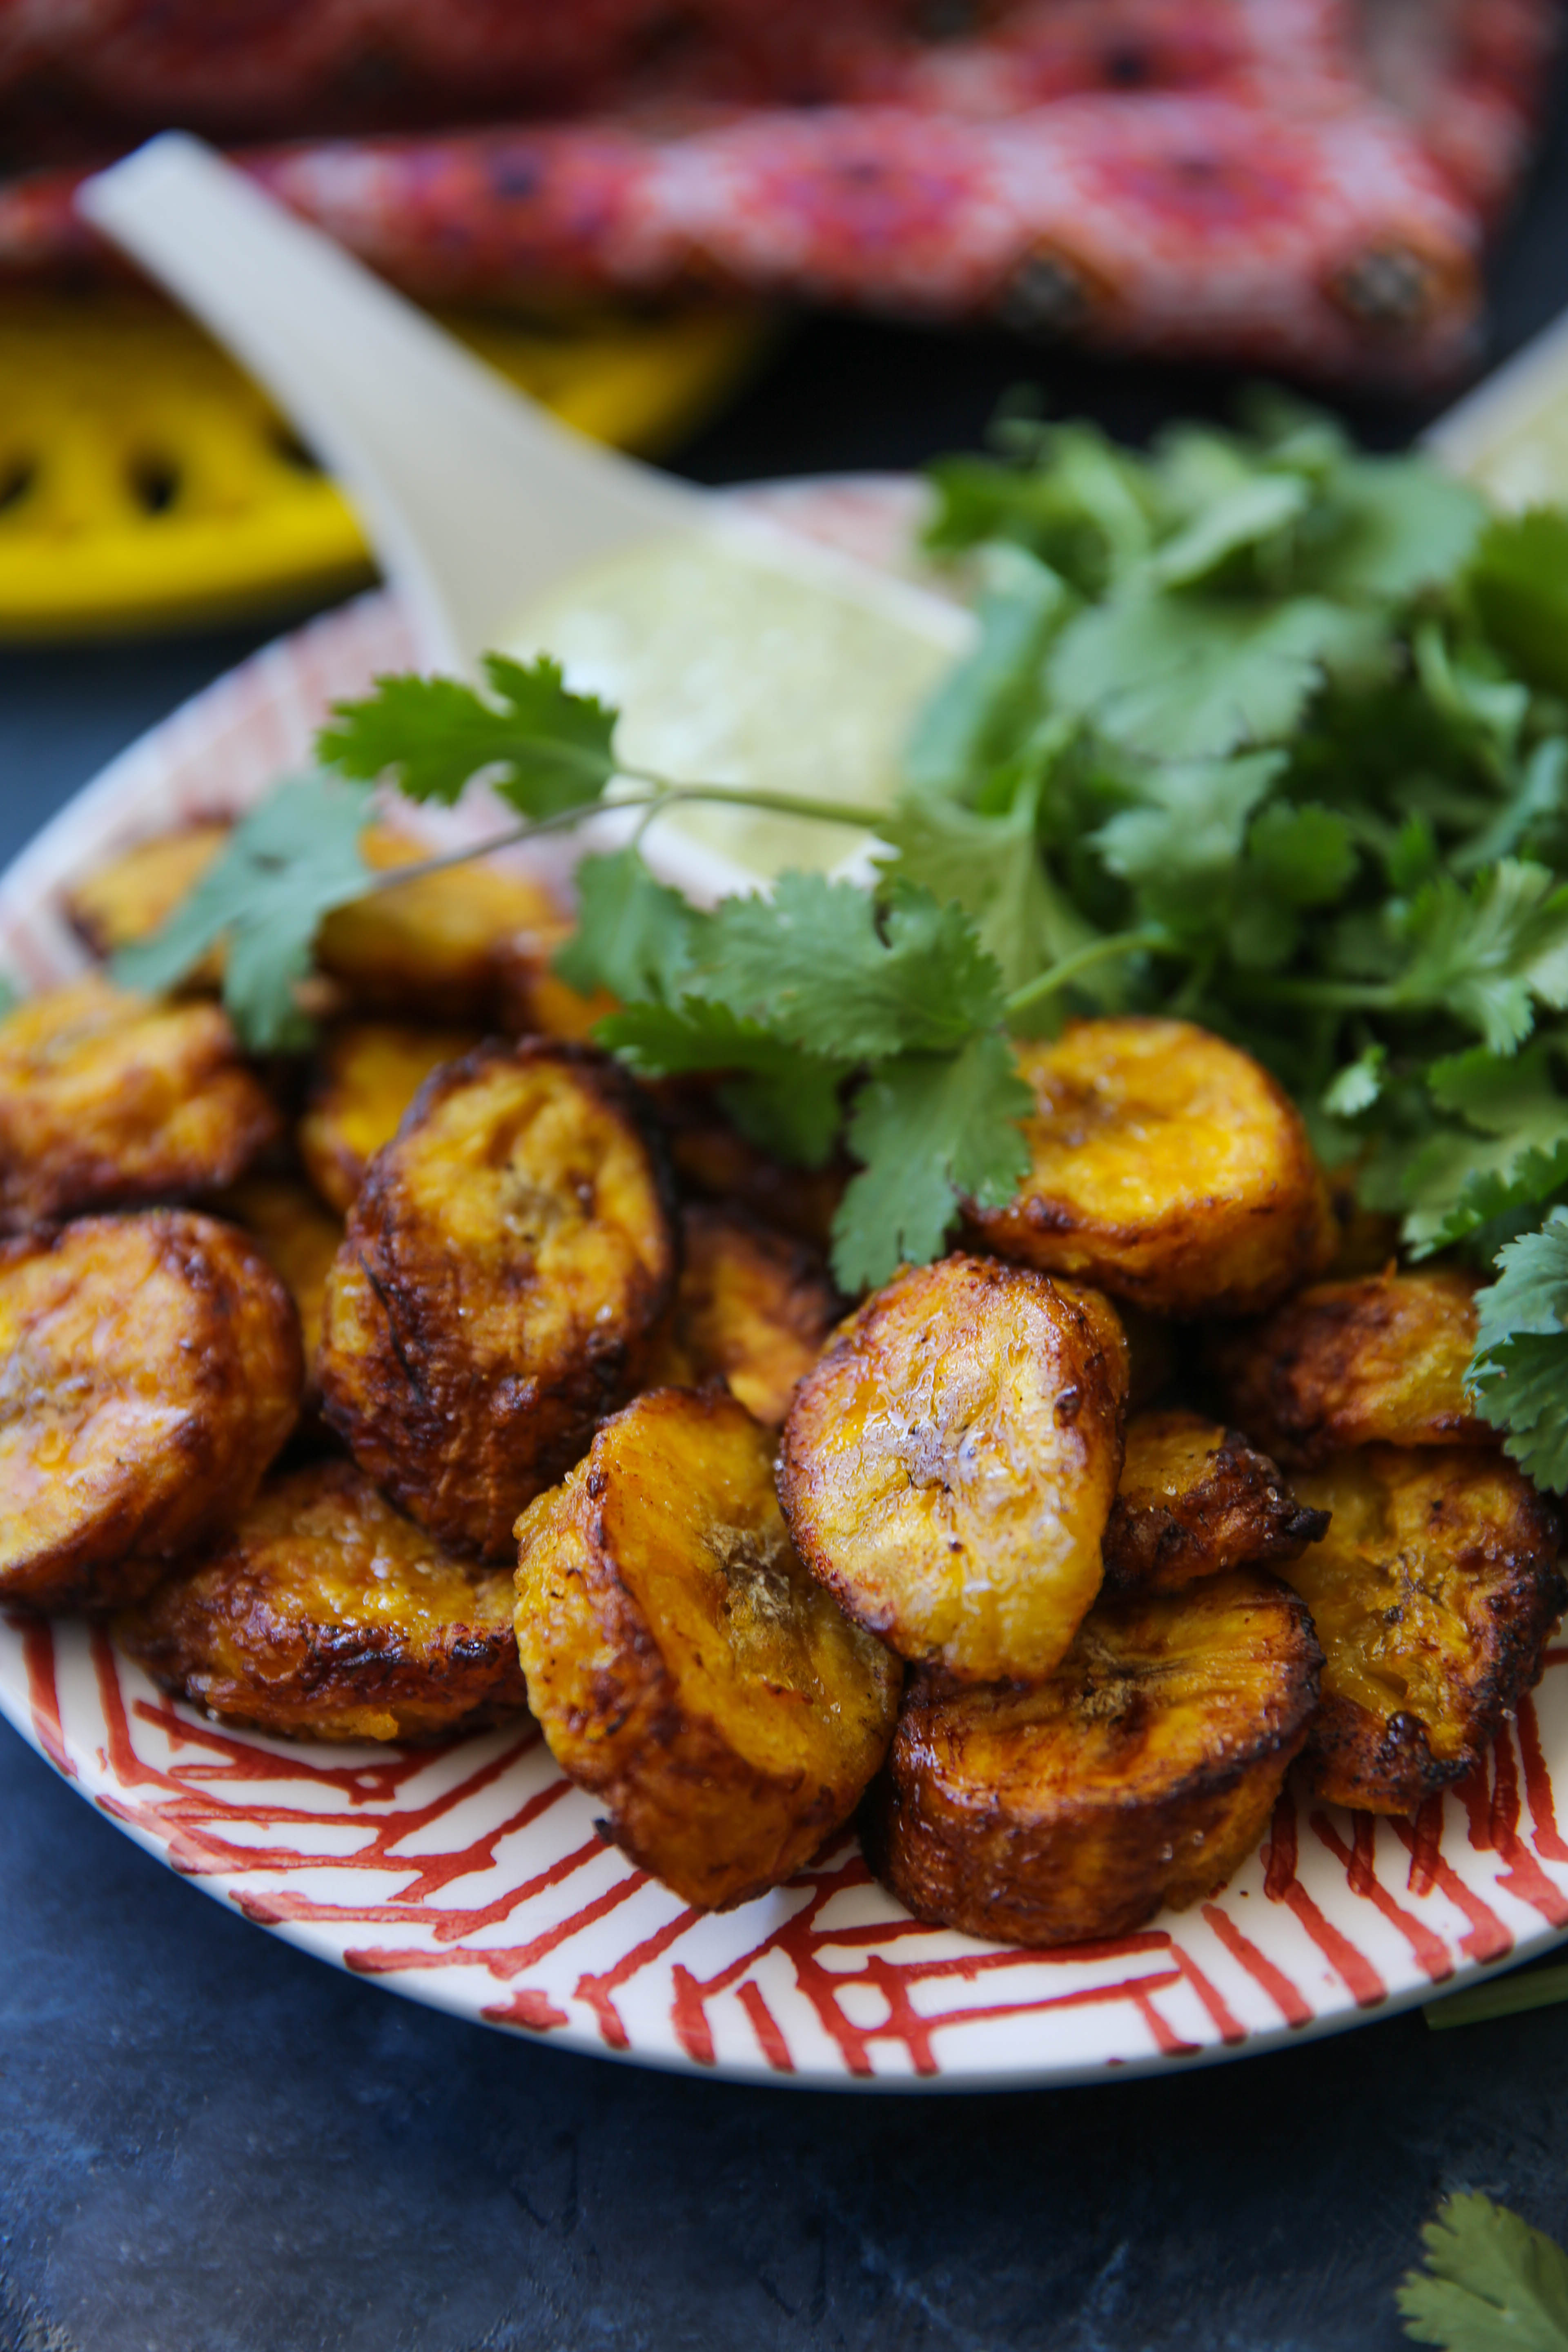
460,1373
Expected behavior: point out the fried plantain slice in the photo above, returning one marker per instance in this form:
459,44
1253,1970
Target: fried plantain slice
295,1235
425,948
1168,1167
108,1099
135,893
753,1309
150,1370
367,1072
947,1468
1433,1592
505,1263
532,1000
1196,1500
683,1665
328,1615
1377,1361
1142,1771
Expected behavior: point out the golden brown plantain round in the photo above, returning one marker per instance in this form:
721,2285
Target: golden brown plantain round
504,1265
108,1100
426,948
150,1370
134,894
753,1309
328,1615
686,1669
1433,1592
1377,1361
367,1072
532,1000
1141,1772
1168,1167
947,1468
298,1238
1196,1500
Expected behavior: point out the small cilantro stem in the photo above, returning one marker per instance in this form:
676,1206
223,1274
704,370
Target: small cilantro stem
1331,995
660,797
388,877
1046,984
670,796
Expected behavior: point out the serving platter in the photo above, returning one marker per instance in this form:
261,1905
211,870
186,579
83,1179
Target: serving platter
471,1876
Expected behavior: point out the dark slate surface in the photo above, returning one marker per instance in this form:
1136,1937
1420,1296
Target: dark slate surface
209,2143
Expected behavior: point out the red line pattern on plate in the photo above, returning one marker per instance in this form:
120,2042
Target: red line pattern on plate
478,1864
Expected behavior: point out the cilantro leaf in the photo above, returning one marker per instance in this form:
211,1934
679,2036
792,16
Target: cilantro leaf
1519,1372
1490,2280
784,1101
977,709
1457,1184
929,1131
294,857
1357,1086
1082,505
1519,584
634,936
550,749
1484,955
830,971
991,867
1185,676
1306,856
1400,525
1191,824
1236,520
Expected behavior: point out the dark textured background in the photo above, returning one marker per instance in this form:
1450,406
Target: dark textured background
209,2143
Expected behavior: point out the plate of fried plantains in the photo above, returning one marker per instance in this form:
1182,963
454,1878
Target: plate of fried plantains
450,1512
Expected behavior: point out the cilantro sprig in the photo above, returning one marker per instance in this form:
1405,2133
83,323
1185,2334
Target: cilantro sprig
1293,719
1489,2281
829,1012
291,861
1257,729
826,1014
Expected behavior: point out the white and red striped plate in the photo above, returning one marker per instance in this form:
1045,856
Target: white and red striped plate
472,1877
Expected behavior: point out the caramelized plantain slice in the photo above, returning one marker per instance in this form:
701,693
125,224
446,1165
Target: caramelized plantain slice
425,948
150,1370
328,1615
948,1467
1196,1500
135,893
685,1668
1168,1167
505,1263
1142,1771
367,1072
753,1309
1432,1593
1378,1361
108,1100
297,1237
532,1000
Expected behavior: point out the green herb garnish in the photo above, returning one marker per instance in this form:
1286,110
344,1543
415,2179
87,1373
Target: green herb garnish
1490,2281
1258,730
